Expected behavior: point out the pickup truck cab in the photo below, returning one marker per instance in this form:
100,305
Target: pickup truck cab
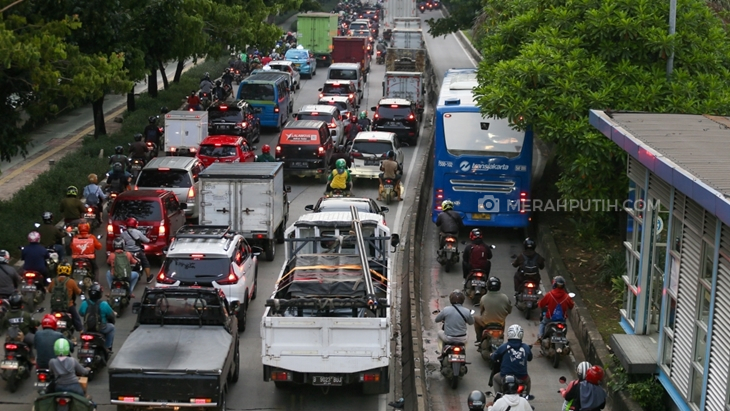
303,61
161,365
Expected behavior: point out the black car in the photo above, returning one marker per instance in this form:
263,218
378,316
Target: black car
363,205
236,118
398,116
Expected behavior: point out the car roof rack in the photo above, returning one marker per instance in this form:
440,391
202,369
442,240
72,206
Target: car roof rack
203,231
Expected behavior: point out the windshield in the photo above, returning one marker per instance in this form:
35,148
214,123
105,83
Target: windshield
470,133
316,117
341,105
143,210
157,177
257,92
210,150
372,147
230,115
399,112
297,55
338,90
196,268
343,74
280,67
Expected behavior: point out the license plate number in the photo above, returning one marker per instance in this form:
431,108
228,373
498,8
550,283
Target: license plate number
136,167
327,380
41,384
27,288
478,283
457,358
89,215
298,164
80,272
61,324
86,351
9,365
558,340
529,297
119,291
388,186
393,124
481,216
372,162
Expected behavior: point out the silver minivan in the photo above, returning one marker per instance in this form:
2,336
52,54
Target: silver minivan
176,174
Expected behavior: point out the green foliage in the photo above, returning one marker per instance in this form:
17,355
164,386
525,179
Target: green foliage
47,190
613,265
547,63
644,389
618,291
462,14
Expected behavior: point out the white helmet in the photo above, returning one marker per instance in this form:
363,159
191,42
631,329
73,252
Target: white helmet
4,256
515,332
582,369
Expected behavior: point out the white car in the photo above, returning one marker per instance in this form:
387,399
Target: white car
213,256
369,149
327,113
288,66
342,103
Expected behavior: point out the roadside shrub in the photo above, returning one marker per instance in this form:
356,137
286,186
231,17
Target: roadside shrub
45,192
613,265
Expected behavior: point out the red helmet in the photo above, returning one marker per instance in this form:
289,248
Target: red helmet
353,118
594,375
84,228
49,321
132,222
266,149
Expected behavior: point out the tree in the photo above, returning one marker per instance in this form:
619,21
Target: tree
546,63
462,14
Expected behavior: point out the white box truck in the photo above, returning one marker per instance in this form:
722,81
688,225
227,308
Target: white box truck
250,198
407,23
184,131
405,84
399,8
328,321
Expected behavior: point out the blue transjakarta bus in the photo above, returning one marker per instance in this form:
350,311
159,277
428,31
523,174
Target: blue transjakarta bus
482,164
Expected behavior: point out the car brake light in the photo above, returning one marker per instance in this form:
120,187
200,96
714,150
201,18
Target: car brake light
163,169
172,149
230,280
109,230
332,124
276,109
242,124
11,347
191,193
278,149
320,151
457,350
370,377
352,95
393,106
161,231
280,376
523,202
375,116
222,107
260,236
321,95
217,144
410,117
87,337
161,278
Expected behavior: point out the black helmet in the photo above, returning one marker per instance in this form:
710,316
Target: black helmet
218,83
390,154
456,297
558,282
117,167
16,301
474,234
138,137
529,244
510,384
95,292
118,150
48,217
477,400
164,109
152,119
494,284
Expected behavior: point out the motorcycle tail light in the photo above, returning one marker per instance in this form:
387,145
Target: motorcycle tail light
457,350
63,401
30,275
87,337
11,347
530,285
57,315
561,326
495,333
478,274
450,240
42,377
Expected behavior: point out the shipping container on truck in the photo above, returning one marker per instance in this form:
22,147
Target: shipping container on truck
399,8
184,130
351,50
406,85
315,32
407,23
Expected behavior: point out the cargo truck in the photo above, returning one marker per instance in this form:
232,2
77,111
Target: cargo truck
409,85
352,50
399,8
315,32
407,23
184,130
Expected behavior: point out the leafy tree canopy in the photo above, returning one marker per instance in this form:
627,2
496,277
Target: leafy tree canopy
462,14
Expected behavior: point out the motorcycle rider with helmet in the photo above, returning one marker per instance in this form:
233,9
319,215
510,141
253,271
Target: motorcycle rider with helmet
364,121
71,207
138,150
585,393
511,400
119,179
63,274
218,92
449,222
550,301
513,356
152,133
52,236
351,130
529,263
477,243
340,153
118,245
206,86
265,156
390,169
23,320
455,318
133,240
9,278
194,101
105,310
227,77
45,338
34,257
119,157
94,195
66,368
84,245
494,307
339,178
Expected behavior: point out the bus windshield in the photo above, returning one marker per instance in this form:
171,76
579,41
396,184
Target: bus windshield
472,134
257,92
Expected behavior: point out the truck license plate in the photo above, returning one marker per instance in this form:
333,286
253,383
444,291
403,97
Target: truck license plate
457,358
372,162
478,283
327,380
9,365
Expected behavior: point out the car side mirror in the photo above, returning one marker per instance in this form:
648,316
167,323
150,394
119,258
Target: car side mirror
319,89
373,108
183,206
384,209
136,307
257,251
309,207
164,250
394,240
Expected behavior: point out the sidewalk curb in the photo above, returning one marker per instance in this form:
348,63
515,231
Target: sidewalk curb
461,38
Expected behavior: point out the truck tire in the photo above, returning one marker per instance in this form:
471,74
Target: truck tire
279,234
270,250
255,282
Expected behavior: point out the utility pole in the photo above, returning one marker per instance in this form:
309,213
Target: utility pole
672,29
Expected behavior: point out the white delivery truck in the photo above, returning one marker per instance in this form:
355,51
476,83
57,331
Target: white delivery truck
399,8
407,23
409,85
407,39
250,198
184,131
328,321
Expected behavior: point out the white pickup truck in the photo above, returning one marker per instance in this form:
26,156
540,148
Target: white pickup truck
328,321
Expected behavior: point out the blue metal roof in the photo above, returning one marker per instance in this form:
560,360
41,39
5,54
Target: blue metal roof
687,151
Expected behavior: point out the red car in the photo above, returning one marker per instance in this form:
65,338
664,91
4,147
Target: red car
159,213
225,149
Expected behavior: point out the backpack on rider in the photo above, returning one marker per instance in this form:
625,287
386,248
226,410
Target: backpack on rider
92,318
122,266
529,264
59,295
478,256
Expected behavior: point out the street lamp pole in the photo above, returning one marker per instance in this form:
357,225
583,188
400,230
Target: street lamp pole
672,29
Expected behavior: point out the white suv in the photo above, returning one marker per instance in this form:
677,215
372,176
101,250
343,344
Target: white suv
329,114
369,149
213,256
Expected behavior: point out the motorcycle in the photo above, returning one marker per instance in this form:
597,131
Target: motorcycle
52,261
521,391
237,76
83,273
121,290
379,59
137,166
93,215
15,365
93,353
43,379
475,286
63,401
422,7
526,300
152,149
389,190
492,338
64,324
449,254
453,363
204,99
554,343
32,290
337,193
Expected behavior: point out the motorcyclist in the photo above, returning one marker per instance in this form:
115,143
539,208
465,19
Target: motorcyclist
118,245
455,318
133,240
63,274
119,179
449,222
138,150
511,400
34,257
364,121
23,320
71,207
84,245
119,157
45,339
194,101
227,78
107,314
390,169
480,259
94,195
206,76
9,278
550,301
585,393
351,130
152,133
218,92
513,356
339,178
265,156
528,264
206,86
382,47
52,236
65,368
340,153
494,307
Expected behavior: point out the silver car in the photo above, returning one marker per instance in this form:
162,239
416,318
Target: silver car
176,174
